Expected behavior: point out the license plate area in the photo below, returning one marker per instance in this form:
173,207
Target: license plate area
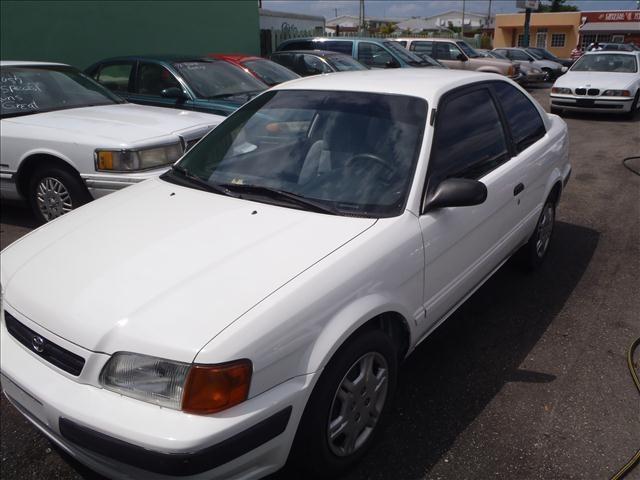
24,400
585,102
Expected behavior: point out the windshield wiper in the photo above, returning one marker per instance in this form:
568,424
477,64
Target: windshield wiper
280,194
188,178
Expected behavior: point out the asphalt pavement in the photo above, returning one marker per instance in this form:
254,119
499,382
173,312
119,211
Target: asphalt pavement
528,380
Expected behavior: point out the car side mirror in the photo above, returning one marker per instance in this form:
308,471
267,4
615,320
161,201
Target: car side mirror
531,59
391,64
172,92
457,192
462,57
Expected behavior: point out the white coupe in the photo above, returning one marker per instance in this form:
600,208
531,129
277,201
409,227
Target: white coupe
65,139
253,304
603,81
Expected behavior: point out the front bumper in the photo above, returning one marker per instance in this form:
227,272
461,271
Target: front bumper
585,103
535,78
100,184
125,438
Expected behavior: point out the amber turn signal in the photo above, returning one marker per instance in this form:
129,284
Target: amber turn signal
213,388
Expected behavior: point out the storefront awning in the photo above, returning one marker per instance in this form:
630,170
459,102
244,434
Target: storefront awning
613,27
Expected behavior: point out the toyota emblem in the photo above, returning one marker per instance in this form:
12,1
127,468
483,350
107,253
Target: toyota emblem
38,343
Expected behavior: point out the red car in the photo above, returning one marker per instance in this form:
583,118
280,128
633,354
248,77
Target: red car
264,70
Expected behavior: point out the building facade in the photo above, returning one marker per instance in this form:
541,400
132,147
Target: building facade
82,32
620,26
291,22
558,32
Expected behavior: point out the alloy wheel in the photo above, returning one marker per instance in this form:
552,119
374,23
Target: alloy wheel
545,227
53,198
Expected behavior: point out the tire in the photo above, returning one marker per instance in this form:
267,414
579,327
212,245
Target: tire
54,191
314,453
535,250
634,106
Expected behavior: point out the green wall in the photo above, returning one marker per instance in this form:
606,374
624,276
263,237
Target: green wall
82,32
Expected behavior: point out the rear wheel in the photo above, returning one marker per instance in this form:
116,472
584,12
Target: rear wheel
347,406
535,250
54,191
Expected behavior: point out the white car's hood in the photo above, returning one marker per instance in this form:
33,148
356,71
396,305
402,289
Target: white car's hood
601,80
125,124
128,272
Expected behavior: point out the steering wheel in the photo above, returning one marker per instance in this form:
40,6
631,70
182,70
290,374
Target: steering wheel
370,156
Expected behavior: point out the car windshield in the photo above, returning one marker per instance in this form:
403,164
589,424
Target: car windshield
407,56
344,63
218,79
28,90
608,62
470,52
350,153
270,72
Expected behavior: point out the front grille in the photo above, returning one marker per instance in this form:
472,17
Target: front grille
581,91
44,348
593,91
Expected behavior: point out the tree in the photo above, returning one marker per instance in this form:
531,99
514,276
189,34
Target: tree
387,29
556,6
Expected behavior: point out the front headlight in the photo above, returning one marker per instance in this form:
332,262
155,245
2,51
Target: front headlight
616,93
132,160
199,389
561,90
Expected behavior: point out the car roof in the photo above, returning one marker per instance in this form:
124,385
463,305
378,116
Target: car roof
426,83
234,57
24,63
426,39
171,57
613,52
340,39
319,53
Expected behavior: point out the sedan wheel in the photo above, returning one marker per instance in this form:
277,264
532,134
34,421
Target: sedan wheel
545,227
357,404
347,407
53,198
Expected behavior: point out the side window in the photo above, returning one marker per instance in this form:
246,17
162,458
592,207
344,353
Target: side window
284,59
468,142
115,76
523,118
373,55
422,47
454,51
519,55
336,46
153,78
314,66
445,51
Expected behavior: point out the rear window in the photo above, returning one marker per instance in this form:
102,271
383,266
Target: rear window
297,45
339,46
270,72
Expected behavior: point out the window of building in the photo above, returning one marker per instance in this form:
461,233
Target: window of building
541,38
520,40
558,39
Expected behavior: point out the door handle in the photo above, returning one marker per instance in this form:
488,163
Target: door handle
518,188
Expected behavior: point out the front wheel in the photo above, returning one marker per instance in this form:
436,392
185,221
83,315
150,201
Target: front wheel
347,406
55,191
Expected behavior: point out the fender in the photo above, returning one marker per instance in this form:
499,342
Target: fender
337,330
49,152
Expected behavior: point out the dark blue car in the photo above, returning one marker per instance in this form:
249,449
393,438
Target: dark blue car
178,81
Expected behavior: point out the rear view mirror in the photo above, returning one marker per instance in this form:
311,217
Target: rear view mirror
457,192
172,92
461,57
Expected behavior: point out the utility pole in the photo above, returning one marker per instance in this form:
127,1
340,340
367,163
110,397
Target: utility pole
462,26
489,15
527,21
336,10
361,17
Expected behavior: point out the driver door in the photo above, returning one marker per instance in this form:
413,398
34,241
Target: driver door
463,245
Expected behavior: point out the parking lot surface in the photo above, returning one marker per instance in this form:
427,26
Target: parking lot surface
528,380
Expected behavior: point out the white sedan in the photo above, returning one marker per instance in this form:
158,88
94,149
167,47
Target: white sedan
603,81
253,304
65,139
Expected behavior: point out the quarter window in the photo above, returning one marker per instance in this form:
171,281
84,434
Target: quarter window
153,78
423,47
336,46
468,142
115,77
558,39
523,118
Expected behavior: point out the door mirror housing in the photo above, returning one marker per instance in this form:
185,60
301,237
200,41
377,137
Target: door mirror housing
462,57
457,192
392,64
173,92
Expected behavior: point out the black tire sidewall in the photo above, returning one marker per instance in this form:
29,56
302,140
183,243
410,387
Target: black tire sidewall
311,453
75,187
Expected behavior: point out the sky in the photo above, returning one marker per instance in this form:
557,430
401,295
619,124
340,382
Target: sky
424,8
